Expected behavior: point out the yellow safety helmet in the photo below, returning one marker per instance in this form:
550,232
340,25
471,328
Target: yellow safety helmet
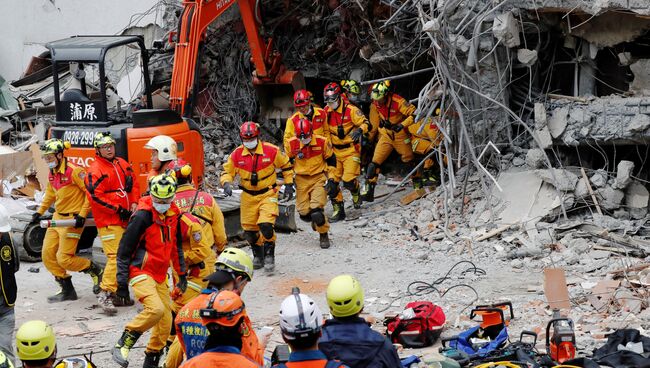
162,186
4,361
379,90
344,296
237,260
35,340
351,86
54,145
102,138
75,363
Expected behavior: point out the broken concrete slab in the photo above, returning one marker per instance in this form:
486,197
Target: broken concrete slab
581,190
506,29
544,137
610,198
639,123
599,178
540,115
561,179
623,172
535,158
527,57
558,122
636,200
641,83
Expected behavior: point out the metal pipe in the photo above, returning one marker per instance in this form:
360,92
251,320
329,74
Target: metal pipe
400,76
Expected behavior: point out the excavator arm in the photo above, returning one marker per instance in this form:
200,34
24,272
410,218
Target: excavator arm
197,15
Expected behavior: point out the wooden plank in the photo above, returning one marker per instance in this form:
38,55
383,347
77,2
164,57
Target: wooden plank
492,233
412,196
555,288
591,191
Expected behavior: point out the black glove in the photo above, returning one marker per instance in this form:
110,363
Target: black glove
79,221
356,135
123,292
331,187
365,141
384,124
288,191
182,283
398,127
124,214
36,217
227,189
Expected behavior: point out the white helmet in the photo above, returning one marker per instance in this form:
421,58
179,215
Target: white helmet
299,316
5,226
165,145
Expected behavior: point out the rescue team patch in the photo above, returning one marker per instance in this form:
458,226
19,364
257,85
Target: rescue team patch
359,113
5,253
196,236
82,175
245,330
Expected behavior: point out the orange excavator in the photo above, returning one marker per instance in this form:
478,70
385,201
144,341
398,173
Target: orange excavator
82,109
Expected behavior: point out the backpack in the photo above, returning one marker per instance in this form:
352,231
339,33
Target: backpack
420,331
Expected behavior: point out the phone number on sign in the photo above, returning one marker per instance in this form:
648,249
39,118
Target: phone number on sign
79,138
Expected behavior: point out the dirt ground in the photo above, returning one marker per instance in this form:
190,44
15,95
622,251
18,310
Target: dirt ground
385,263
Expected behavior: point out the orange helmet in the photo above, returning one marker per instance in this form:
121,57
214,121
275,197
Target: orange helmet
249,130
180,167
302,97
331,92
225,308
304,129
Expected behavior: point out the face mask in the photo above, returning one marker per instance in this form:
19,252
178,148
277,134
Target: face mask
161,207
305,141
52,165
333,105
250,144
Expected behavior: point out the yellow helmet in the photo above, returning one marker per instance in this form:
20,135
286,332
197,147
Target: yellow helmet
379,90
237,260
4,361
351,86
75,363
162,186
54,145
35,341
344,296
102,138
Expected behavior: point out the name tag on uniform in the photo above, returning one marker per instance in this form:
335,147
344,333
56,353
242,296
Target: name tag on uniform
266,160
316,148
241,162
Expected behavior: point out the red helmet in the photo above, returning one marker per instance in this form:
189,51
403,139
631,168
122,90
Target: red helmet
180,167
304,129
249,130
331,92
302,97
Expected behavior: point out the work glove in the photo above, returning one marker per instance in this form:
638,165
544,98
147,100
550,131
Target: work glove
124,214
331,187
79,221
384,124
365,141
182,283
123,292
288,191
356,135
227,189
36,217
398,127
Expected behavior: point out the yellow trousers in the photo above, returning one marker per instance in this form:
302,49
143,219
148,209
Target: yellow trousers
60,248
175,355
348,164
389,141
195,284
257,209
310,194
156,313
110,237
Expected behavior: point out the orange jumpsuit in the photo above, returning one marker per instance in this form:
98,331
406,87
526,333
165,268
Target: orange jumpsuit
67,191
221,357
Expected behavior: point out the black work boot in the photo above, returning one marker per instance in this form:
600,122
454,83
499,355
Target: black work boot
151,359
368,192
123,347
339,212
269,256
324,241
119,301
417,183
95,273
67,291
258,257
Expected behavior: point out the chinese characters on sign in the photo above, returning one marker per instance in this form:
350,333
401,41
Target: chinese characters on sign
85,114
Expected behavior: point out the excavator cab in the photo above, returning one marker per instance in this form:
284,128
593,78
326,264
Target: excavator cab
104,74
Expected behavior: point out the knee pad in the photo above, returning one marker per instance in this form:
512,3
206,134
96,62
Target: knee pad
351,185
251,237
305,218
371,171
266,228
317,216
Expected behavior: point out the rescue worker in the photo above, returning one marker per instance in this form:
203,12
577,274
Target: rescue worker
255,162
163,151
314,160
223,316
234,272
347,337
9,265
200,204
4,361
352,91
300,323
113,193
422,143
393,114
36,345
66,189
346,124
305,109
148,246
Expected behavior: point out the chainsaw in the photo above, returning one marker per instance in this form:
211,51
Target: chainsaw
561,346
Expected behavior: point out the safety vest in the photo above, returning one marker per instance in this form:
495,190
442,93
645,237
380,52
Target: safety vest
8,267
